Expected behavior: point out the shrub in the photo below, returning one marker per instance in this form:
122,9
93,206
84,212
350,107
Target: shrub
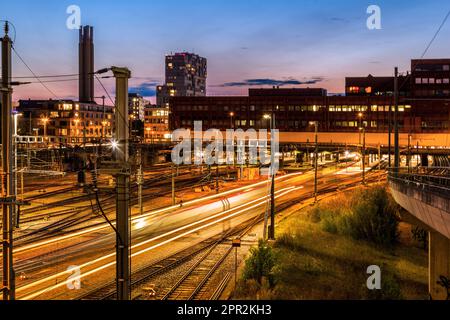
390,289
371,214
374,218
260,263
421,236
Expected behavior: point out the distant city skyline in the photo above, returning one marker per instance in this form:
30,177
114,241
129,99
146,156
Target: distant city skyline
247,43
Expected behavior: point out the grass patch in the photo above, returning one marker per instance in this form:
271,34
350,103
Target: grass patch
316,259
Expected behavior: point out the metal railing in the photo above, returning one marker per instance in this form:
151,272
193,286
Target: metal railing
430,185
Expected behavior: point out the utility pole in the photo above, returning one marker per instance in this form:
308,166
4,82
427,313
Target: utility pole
8,197
379,156
316,158
140,180
408,158
217,178
272,173
122,184
389,136
173,186
396,131
364,155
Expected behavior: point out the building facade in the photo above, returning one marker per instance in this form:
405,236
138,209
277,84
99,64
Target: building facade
156,127
423,105
71,122
185,76
136,106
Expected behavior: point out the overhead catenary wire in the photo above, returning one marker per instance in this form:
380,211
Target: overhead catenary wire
32,72
413,67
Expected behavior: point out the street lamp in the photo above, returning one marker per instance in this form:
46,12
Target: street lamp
360,117
231,120
363,130
316,156
45,121
104,124
271,119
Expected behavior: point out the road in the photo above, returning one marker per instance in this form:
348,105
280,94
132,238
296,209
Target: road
42,266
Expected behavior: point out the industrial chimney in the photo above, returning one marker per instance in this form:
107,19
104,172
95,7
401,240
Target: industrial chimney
86,64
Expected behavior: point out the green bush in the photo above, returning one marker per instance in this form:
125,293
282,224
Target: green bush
374,218
371,215
421,236
390,289
260,263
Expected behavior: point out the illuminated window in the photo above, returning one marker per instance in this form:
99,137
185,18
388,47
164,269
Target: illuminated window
369,90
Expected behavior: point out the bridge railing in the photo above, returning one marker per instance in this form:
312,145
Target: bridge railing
430,185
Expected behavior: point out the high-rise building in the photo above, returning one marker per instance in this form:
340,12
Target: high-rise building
186,75
86,64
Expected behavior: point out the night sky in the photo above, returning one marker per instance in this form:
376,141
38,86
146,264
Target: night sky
247,42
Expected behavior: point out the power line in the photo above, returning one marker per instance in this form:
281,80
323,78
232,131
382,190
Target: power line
50,81
32,72
413,67
48,76
436,34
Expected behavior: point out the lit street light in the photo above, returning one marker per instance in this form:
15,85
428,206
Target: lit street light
231,120
363,130
45,121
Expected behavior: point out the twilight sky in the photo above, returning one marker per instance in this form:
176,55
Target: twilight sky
285,41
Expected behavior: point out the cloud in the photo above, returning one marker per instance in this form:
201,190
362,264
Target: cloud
339,19
145,89
271,82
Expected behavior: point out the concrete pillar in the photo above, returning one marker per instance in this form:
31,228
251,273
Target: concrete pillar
438,264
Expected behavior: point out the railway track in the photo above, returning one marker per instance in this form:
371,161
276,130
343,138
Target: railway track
209,256
108,292
193,283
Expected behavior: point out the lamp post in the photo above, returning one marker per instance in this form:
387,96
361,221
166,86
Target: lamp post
44,122
360,116
104,124
231,120
316,156
363,130
271,119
